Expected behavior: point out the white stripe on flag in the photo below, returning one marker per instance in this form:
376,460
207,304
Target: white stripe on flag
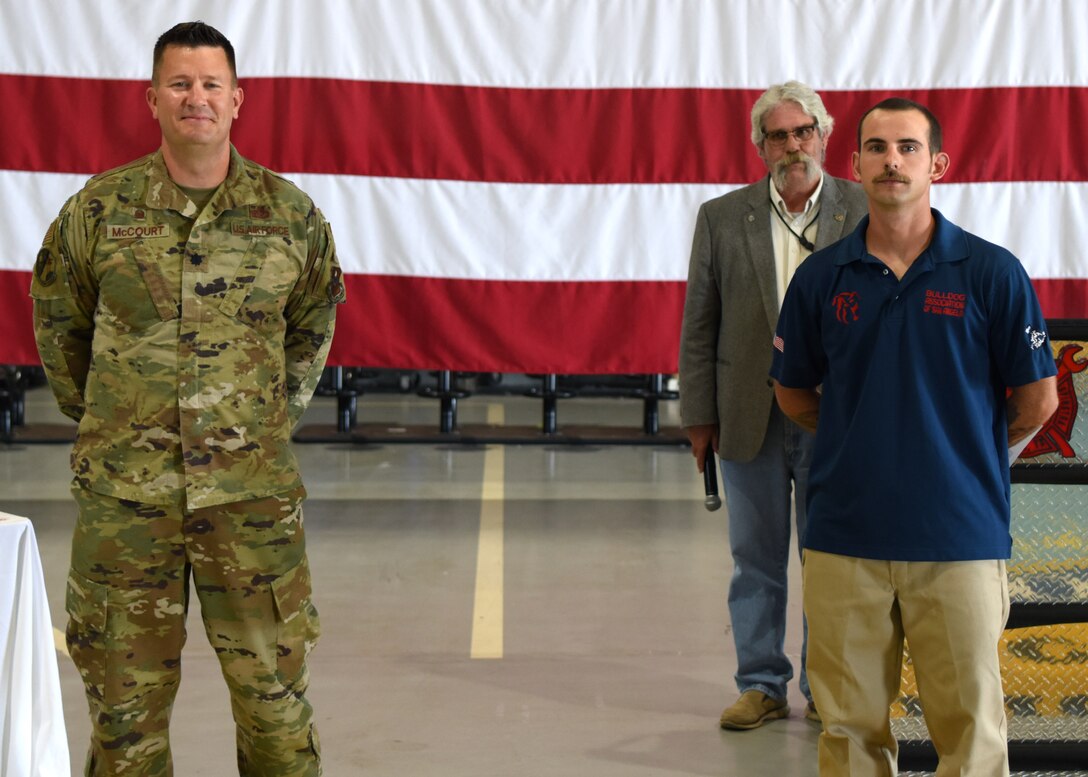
522,232
882,44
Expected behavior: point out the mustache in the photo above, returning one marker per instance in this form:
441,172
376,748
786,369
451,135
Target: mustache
889,176
781,169
792,158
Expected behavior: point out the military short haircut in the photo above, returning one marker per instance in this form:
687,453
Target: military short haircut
193,35
903,104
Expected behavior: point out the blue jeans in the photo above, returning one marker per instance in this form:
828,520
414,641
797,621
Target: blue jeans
757,494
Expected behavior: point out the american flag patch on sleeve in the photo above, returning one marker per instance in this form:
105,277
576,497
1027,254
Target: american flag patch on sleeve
781,346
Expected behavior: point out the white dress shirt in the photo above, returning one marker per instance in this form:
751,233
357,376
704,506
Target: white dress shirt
788,251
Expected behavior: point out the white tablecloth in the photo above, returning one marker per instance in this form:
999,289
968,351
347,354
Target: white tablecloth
33,742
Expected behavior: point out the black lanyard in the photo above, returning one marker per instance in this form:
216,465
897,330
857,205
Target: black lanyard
804,241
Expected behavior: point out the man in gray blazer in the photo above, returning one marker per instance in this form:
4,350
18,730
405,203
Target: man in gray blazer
747,245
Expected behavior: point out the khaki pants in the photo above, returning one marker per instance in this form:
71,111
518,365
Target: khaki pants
128,595
952,615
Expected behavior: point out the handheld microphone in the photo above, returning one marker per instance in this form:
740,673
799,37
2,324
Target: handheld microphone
710,481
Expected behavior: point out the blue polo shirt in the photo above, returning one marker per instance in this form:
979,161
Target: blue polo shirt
911,459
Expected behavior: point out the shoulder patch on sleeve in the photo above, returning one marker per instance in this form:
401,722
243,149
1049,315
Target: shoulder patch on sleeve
45,268
335,289
49,281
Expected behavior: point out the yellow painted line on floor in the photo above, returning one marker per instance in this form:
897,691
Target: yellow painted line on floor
59,642
487,611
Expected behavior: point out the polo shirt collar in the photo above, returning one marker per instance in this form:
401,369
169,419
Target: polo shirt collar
948,244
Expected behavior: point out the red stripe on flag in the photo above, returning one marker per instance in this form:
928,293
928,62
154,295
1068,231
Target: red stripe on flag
681,135
16,319
1062,297
510,326
477,326
499,326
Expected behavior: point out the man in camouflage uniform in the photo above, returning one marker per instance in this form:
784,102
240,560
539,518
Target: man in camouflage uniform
184,307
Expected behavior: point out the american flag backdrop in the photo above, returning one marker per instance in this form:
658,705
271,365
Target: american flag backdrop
513,183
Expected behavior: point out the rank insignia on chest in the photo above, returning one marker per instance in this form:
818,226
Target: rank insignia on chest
260,212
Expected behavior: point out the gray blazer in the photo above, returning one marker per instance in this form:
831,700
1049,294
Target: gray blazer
731,309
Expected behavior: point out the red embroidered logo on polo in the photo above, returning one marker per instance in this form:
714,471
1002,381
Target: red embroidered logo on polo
944,303
846,305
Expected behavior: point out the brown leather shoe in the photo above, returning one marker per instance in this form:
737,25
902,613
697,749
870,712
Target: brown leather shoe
752,710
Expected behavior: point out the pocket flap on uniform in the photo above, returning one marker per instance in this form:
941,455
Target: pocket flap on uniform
155,280
85,602
291,591
242,283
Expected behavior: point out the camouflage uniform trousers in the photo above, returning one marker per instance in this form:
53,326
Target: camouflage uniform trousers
127,598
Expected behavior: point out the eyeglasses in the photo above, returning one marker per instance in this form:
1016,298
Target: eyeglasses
779,137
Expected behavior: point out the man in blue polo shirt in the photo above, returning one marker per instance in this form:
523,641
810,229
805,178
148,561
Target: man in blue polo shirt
918,354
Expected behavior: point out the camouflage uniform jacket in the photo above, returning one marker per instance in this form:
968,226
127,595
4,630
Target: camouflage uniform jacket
186,362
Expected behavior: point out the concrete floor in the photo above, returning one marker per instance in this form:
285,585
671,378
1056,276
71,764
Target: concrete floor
593,577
